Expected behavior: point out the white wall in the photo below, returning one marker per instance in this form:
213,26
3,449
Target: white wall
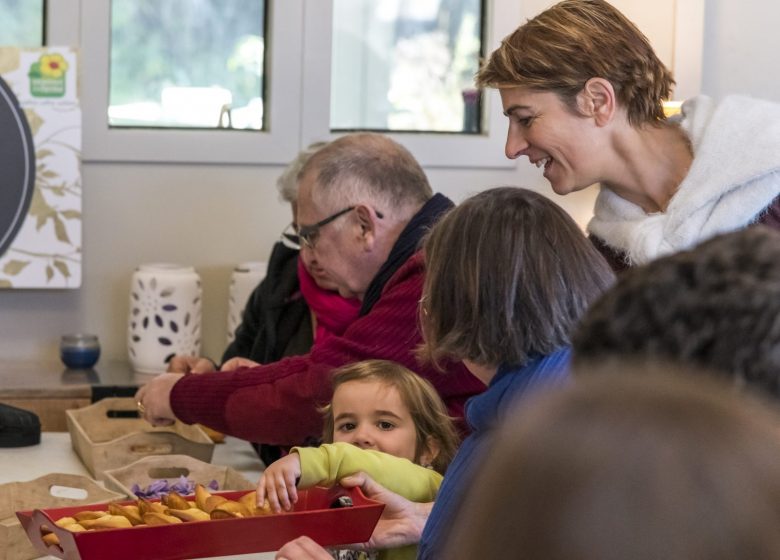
214,216
741,46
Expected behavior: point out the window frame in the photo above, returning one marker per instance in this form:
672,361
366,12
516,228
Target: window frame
438,149
278,143
298,90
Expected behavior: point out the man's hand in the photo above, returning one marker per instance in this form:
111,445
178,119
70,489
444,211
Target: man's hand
237,363
154,399
302,548
278,483
190,364
402,521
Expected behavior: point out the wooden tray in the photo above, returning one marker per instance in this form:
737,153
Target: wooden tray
170,467
109,434
313,516
14,544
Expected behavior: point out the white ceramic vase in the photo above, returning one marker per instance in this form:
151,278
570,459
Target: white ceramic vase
165,315
244,278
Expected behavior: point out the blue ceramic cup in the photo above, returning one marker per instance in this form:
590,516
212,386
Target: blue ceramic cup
79,351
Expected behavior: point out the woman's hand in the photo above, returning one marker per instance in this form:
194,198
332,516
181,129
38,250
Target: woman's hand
278,483
237,363
302,548
402,520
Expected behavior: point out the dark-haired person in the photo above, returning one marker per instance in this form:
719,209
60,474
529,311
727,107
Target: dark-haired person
508,275
583,92
364,203
715,306
617,467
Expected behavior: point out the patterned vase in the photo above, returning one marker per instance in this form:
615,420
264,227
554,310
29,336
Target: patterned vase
245,278
165,312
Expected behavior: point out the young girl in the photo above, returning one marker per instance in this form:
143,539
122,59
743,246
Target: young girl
384,420
508,276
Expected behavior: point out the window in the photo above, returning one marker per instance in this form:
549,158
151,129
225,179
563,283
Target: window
406,65
168,85
187,63
312,85
327,74
23,23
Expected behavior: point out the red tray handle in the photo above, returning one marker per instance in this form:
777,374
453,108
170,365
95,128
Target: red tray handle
34,521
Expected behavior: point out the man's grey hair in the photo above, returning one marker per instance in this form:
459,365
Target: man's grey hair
367,168
287,183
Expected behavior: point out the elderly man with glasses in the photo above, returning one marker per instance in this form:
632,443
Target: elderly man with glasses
292,308
364,204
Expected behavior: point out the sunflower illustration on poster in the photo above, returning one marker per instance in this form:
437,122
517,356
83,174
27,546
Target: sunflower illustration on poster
40,153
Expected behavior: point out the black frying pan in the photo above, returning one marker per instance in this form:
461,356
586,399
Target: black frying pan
17,167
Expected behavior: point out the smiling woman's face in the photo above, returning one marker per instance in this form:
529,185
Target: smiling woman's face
545,130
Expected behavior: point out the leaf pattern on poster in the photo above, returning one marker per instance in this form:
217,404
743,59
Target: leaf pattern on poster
9,60
62,267
33,119
49,243
12,268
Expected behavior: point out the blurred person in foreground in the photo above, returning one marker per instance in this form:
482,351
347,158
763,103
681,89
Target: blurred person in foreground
716,306
364,203
613,467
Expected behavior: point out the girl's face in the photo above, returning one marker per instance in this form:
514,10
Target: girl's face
545,130
371,415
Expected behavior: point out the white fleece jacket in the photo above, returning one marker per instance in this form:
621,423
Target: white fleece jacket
734,177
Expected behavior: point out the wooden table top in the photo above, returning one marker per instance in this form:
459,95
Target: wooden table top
39,379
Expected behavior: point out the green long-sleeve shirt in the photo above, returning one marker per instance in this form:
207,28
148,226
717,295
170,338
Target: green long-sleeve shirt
327,464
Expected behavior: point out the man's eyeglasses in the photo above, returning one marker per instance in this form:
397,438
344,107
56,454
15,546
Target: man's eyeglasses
295,237
307,235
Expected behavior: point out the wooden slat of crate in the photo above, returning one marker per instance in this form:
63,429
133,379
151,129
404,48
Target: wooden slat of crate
105,443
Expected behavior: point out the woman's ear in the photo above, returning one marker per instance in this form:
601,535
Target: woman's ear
430,452
597,100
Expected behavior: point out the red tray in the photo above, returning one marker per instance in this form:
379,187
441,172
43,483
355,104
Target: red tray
312,516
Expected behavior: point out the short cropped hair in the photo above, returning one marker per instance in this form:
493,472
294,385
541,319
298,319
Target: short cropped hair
287,183
426,407
368,166
616,467
576,40
508,275
716,306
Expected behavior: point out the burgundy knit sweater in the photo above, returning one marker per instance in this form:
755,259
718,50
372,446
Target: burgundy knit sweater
278,403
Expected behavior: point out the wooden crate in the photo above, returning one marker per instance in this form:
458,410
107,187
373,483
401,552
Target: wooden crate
14,496
109,434
169,467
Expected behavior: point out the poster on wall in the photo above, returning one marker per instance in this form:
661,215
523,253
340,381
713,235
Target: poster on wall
40,155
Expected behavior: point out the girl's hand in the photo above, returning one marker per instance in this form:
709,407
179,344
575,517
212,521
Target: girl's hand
278,483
